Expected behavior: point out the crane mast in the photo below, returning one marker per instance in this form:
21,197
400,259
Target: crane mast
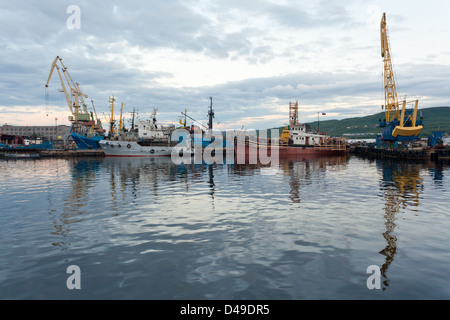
390,91
120,128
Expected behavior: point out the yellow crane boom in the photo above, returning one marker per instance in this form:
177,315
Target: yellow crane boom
73,94
75,88
121,119
390,91
66,94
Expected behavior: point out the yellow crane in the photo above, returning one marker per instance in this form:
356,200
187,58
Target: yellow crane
404,123
114,131
98,127
112,128
121,119
74,97
181,122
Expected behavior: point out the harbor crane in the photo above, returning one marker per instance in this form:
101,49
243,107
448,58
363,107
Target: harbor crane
74,98
399,125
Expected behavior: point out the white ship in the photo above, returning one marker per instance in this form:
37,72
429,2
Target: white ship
146,139
122,148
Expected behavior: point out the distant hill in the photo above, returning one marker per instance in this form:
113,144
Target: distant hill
434,119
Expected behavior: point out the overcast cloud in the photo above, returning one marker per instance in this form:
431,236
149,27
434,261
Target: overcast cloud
252,57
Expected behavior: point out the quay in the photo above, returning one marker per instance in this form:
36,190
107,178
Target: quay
72,153
50,153
415,153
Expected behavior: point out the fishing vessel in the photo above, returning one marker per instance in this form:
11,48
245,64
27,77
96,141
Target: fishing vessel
297,141
146,138
85,142
304,145
305,142
124,148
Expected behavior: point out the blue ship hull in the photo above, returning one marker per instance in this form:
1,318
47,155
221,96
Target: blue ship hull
86,143
46,145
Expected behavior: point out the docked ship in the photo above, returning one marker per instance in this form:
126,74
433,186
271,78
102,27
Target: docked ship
298,141
85,141
125,148
145,139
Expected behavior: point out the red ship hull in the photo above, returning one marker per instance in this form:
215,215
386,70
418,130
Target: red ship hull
287,152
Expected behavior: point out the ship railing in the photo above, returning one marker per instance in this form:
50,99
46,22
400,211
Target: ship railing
334,144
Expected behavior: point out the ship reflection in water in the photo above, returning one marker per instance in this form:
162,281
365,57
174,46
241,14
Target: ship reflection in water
145,228
155,173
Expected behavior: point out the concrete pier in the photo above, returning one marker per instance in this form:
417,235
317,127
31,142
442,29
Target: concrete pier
54,153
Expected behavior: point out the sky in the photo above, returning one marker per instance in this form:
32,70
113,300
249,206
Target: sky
252,57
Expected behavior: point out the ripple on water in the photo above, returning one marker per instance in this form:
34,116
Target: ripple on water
149,229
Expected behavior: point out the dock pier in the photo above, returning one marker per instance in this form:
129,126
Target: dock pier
420,153
53,153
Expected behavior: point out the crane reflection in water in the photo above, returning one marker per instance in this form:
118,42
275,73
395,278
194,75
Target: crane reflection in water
402,185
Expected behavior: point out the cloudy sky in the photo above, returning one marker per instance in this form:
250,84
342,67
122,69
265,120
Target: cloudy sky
252,57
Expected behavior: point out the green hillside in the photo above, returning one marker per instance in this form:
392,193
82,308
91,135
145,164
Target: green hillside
434,119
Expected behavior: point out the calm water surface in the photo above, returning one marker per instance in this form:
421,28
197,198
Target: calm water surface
149,229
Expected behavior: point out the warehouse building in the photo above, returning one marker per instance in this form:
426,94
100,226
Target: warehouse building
43,132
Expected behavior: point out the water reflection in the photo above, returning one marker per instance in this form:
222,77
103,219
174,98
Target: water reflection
112,187
128,179
402,184
83,174
301,172
211,182
155,183
436,170
308,171
157,230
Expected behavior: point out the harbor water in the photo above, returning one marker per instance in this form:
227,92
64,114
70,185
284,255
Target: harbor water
150,229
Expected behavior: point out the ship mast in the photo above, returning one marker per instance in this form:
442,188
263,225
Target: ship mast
112,130
293,114
210,115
